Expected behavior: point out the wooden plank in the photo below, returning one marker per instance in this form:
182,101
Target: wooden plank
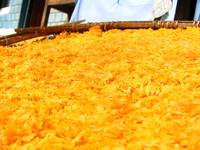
45,14
76,27
60,2
35,15
6,41
28,33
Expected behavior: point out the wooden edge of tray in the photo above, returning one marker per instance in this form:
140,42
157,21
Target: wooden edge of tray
32,32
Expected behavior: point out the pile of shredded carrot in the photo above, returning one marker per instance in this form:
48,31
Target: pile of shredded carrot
114,90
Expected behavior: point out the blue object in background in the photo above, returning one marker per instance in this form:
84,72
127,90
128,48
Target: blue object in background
112,10
172,11
197,11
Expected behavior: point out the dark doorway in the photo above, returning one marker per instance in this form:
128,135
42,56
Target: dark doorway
4,3
185,9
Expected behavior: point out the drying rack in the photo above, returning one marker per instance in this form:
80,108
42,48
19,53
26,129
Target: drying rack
23,34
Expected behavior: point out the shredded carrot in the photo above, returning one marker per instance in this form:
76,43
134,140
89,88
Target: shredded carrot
120,89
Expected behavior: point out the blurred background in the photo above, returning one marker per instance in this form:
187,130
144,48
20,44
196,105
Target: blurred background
27,13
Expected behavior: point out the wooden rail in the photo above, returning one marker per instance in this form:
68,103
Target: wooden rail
28,33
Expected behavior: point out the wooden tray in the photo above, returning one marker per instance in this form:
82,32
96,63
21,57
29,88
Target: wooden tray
28,33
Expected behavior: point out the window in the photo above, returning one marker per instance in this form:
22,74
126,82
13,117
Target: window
9,16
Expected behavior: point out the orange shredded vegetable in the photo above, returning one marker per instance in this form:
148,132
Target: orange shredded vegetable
114,90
